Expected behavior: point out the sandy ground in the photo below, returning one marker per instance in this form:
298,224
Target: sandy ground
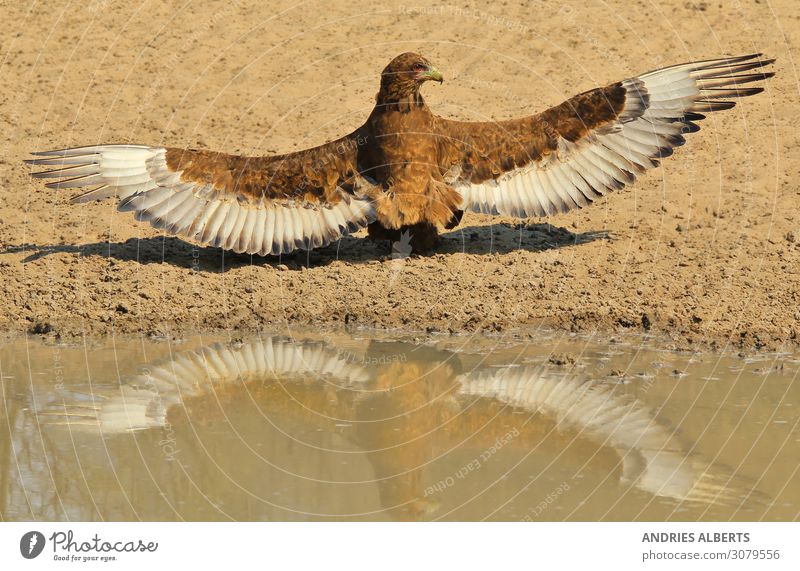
703,251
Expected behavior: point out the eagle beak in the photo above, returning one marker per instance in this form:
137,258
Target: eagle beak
433,74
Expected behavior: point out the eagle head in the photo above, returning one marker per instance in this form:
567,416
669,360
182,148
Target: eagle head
405,73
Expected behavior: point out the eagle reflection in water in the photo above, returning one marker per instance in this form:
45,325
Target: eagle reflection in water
379,420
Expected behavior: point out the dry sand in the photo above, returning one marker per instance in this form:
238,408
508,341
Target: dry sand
703,251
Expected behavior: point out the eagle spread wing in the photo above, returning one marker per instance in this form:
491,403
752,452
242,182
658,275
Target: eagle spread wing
258,205
426,169
595,142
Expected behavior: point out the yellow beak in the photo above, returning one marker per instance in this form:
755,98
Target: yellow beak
433,74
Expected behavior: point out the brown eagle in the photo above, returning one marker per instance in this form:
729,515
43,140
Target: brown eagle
406,169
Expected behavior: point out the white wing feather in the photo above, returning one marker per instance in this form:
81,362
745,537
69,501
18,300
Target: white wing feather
660,106
139,178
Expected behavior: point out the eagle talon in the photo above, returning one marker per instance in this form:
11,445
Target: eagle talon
455,220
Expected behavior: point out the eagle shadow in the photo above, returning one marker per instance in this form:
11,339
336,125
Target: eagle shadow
478,240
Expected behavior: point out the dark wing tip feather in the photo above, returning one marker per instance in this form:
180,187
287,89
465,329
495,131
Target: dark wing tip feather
676,140
43,174
664,152
709,106
727,62
76,182
693,116
63,161
60,152
721,92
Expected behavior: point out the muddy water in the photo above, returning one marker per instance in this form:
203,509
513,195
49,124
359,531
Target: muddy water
336,427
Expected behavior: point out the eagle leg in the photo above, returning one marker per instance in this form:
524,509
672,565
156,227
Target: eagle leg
421,237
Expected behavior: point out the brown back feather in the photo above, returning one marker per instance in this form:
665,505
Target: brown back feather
316,175
484,151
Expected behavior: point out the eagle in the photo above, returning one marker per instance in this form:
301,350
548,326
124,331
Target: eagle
407,171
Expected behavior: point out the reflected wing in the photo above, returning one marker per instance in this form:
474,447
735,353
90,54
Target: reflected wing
598,141
144,401
653,459
258,205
